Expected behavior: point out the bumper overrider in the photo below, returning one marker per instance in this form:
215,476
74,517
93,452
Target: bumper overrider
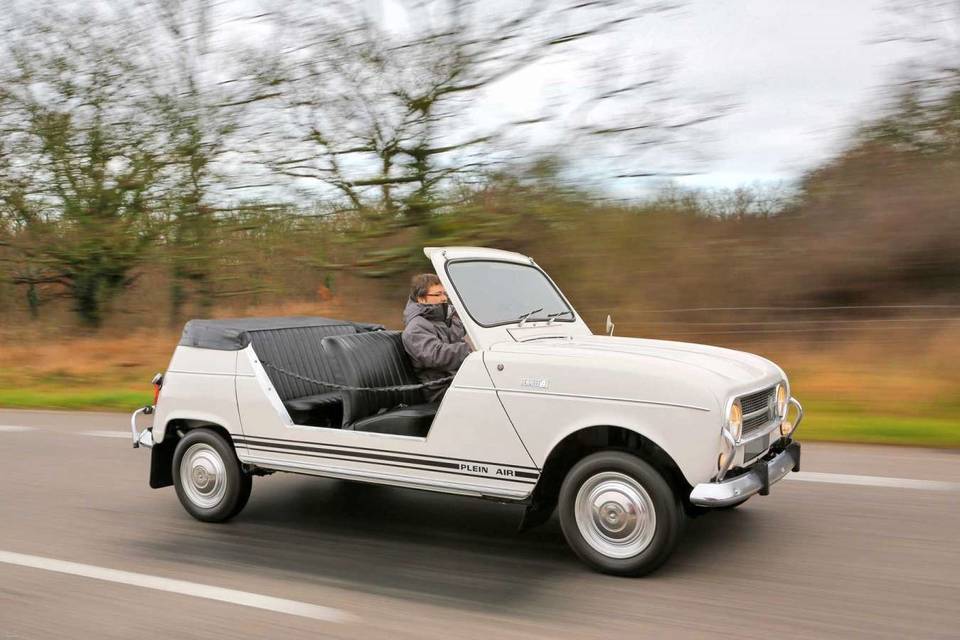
756,479
783,457
141,438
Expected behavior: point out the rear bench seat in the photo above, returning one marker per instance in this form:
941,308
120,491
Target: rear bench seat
377,359
300,350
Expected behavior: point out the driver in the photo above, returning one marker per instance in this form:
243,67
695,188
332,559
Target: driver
433,335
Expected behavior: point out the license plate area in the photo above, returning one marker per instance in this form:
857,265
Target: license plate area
755,448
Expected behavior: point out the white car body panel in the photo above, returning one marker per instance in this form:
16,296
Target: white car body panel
199,385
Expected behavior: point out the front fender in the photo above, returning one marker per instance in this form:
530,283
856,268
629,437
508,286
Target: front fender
691,437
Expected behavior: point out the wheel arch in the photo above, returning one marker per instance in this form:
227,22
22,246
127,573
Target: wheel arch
161,456
585,441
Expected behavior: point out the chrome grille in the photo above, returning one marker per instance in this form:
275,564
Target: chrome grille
759,409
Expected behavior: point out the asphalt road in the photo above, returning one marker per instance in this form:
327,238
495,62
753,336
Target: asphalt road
830,557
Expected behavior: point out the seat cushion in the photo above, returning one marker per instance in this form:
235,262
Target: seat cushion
320,410
414,421
372,360
318,401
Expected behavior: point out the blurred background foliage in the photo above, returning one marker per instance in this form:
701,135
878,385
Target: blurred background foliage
125,151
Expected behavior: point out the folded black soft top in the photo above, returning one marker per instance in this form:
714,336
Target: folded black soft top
233,334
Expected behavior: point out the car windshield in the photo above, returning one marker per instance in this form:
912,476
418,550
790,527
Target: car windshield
496,293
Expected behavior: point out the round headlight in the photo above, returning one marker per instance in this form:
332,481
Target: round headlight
782,400
735,420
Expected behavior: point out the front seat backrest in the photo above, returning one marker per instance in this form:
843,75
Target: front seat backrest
372,359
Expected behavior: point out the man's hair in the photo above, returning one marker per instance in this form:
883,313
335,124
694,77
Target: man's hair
421,283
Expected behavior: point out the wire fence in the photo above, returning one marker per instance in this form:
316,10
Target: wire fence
768,320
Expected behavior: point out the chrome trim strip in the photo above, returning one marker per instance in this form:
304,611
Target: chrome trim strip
755,413
585,397
765,431
459,488
733,452
721,494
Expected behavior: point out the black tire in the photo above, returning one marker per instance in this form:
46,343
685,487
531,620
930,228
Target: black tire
588,474
229,488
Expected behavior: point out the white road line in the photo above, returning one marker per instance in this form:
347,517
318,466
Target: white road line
243,598
107,434
874,481
13,428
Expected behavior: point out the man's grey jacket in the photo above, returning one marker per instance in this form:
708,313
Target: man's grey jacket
435,345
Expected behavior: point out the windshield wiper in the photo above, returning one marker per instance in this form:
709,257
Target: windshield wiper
553,316
523,317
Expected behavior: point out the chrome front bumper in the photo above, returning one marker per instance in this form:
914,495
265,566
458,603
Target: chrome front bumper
141,438
757,479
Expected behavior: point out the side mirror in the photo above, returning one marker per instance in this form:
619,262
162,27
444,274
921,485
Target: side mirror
610,325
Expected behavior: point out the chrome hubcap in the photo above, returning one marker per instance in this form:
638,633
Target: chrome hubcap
203,475
615,514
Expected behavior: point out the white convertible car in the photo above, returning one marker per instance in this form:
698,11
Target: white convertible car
624,436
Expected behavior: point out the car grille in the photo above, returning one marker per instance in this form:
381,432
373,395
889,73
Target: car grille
759,409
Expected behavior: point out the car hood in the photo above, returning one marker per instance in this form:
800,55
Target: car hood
723,370
725,363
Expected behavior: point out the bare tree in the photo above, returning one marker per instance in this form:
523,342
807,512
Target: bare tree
78,162
925,113
381,108
199,111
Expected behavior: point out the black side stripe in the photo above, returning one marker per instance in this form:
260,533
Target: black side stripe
362,456
399,466
263,440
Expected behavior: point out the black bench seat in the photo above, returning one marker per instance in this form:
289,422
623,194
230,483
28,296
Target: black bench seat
377,359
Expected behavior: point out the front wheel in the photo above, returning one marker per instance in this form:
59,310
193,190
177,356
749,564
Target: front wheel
207,475
618,514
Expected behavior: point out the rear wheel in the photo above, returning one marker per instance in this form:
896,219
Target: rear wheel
207,475
618,514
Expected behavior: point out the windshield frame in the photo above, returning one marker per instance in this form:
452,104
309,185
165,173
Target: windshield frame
566,318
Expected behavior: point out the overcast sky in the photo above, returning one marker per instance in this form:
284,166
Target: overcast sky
803,74
800,74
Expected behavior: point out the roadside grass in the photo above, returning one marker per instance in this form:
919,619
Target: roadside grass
76,399
852,425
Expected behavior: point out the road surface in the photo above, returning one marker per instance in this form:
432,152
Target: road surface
862,544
